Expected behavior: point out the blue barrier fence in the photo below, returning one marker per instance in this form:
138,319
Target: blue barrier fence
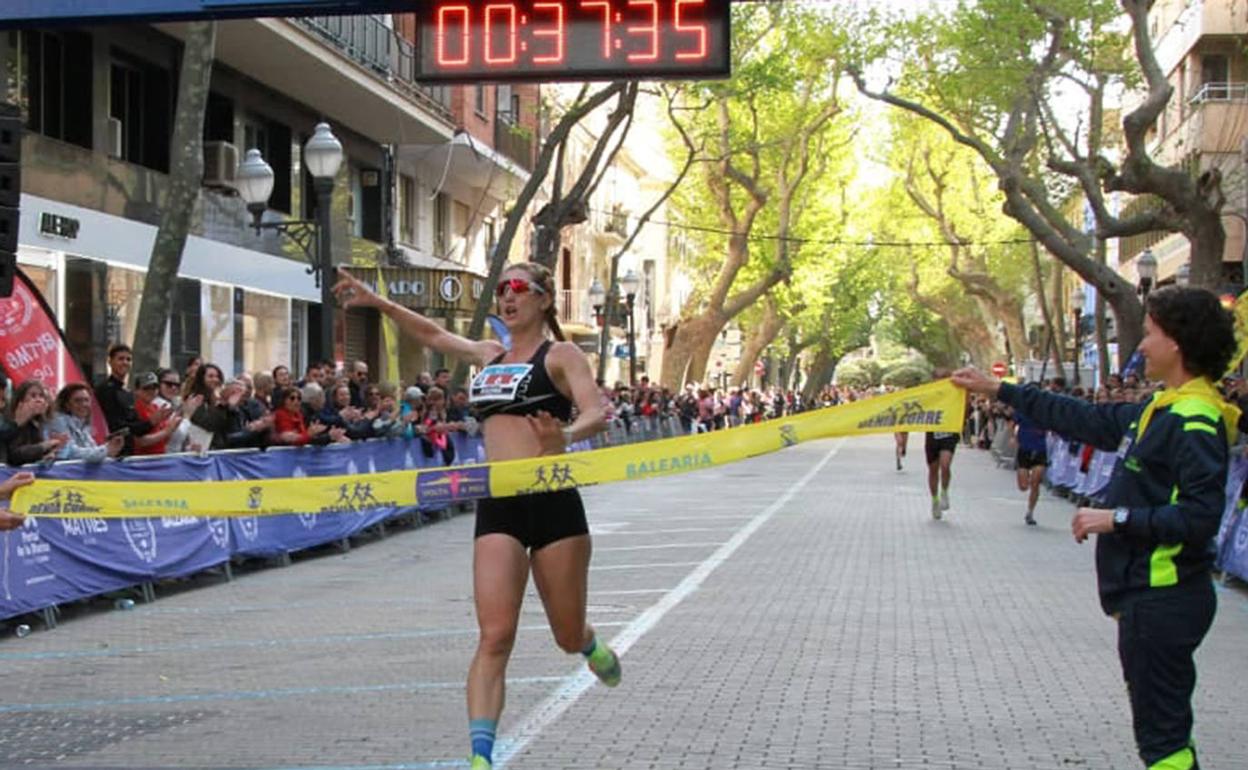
1066,469
53,561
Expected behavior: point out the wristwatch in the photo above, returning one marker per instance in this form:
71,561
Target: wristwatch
1121,515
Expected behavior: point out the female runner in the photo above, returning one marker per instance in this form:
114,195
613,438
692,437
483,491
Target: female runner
524,397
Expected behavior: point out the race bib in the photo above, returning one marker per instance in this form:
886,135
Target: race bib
498,382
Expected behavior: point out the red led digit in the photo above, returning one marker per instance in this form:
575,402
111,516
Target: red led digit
509,12
445,17
694,28
555,33
605,6
650,30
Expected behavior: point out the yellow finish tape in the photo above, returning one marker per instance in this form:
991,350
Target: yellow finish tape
937,406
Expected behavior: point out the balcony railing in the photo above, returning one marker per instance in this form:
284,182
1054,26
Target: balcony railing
370,42
515,142
1220,92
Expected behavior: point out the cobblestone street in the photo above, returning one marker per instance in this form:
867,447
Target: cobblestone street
800,610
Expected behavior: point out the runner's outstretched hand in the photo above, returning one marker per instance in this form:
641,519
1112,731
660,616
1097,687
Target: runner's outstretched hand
351,292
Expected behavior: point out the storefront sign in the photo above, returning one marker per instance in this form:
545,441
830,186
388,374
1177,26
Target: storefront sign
58,226
414,287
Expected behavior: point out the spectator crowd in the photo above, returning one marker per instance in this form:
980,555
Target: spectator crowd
200,410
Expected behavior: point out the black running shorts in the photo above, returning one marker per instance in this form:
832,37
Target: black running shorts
1028,459
935,443
535,520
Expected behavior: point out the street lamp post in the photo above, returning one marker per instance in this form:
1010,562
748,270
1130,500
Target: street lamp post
1146,266
629,283
597,296
323,157
1077,300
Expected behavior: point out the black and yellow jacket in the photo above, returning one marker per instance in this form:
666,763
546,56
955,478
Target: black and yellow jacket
1171,475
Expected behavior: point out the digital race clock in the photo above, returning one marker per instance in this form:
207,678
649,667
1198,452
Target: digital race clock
480,40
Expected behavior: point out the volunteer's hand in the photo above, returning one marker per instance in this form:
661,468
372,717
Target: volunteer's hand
1091,521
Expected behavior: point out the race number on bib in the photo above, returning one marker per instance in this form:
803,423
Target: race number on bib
498,382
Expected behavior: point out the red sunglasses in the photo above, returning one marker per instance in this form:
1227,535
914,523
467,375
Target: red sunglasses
517,286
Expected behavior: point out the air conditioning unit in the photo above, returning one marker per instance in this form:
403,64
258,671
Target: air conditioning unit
220,164
116,134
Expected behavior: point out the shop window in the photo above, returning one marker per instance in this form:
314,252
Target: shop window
265,332
185,321
122,295
217,330
81,324
140,113
298,332
57,85
479,100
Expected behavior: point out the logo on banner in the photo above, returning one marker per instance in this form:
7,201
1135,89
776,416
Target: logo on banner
250,525
15,314
1241,538
255,498
553,477
356,497
64,500
451,485
788,435
220,531
142,538
905,413
686,462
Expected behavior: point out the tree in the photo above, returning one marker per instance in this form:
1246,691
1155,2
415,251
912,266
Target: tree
558,216
992,75
770,134
185,179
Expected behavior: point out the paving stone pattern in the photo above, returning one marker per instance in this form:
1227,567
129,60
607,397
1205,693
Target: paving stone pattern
848,630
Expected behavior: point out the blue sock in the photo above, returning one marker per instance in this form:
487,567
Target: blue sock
482,733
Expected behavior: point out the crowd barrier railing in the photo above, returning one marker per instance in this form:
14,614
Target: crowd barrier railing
1066,470
48,562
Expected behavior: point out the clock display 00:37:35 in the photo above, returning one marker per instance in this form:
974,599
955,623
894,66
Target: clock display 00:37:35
476,40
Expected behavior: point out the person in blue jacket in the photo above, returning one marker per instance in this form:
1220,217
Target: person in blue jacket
1155,541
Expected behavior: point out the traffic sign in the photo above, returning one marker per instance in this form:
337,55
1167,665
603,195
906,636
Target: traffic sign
999,369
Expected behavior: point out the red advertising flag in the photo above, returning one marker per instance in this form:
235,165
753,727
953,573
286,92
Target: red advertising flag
32,346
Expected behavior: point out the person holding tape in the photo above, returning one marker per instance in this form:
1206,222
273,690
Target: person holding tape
524,397
1165,501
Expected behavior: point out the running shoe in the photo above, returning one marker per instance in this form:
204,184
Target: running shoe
480,763
944,501
1030,519
936,508
898,462
608,672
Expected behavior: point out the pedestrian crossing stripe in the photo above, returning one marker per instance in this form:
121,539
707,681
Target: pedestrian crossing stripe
936,406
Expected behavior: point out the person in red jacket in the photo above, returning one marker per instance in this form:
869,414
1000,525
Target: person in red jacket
289,427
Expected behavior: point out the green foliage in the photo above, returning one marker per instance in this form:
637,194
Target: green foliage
906,374
859,373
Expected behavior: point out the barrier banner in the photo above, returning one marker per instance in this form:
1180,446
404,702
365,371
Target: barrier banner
937,406
1233,535
48,561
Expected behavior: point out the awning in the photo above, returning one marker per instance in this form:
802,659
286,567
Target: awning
469,160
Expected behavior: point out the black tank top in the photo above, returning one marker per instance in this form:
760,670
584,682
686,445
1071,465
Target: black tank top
518,389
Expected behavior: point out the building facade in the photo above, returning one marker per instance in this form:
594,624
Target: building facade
416,202
1200,45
